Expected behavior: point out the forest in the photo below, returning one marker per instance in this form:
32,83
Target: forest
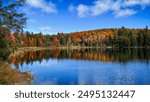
102,38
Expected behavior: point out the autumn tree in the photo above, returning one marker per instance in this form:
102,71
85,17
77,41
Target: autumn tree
146,37
10,20
4,43
140,38
55,41
133,39
63,40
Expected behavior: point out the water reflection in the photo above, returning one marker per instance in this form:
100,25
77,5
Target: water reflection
86,66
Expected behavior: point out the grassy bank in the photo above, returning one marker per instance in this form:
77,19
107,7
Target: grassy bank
10,76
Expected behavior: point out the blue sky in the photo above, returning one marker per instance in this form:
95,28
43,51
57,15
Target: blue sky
53,16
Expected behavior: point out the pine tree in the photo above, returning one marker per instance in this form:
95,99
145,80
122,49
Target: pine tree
9,16
146,38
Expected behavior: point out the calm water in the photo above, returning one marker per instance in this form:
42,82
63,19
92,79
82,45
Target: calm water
86,66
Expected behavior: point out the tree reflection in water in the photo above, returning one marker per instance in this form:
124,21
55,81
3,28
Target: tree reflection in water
102,55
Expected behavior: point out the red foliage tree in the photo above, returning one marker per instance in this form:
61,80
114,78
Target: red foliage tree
55,41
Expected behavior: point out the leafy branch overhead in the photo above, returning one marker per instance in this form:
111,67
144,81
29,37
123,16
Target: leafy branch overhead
10,18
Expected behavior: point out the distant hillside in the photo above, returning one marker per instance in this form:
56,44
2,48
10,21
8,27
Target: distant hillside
116,38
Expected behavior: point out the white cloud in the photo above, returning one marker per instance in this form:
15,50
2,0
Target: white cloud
136,2
49,30
71,8
115,6
48,7
125,12
45,28
131,2
100,7
83,10
119,8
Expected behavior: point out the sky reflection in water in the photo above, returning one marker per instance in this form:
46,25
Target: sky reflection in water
65,70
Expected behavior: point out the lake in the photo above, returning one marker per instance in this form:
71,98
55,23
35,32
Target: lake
86,66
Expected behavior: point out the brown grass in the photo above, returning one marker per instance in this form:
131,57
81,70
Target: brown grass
10,76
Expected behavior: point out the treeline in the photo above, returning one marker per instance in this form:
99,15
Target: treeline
120,38
116,38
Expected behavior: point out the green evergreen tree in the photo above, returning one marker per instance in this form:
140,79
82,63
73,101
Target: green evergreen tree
140,38
9,16
133,39
146,37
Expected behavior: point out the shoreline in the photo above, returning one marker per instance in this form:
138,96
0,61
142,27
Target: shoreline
25,49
